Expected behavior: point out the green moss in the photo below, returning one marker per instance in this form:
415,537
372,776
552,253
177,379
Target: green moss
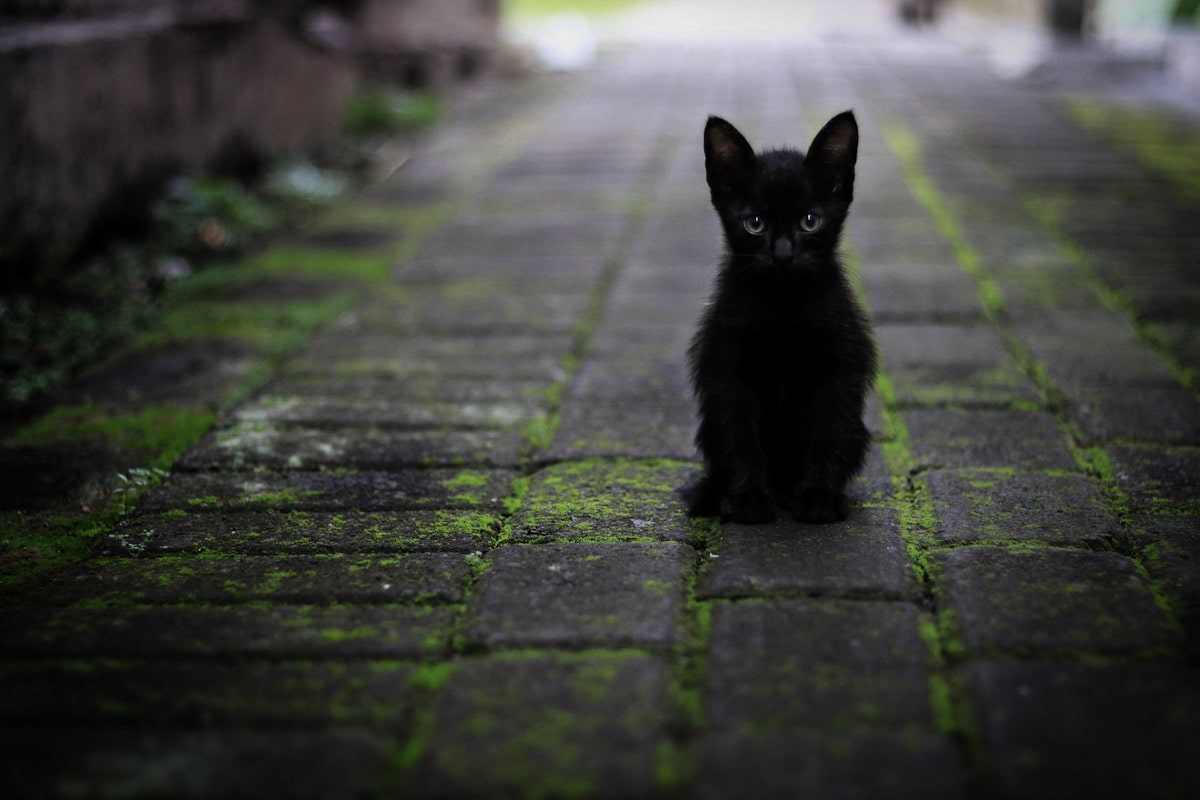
158,434
1166,142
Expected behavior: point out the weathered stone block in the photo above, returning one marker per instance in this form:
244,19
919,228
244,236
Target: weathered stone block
330,578
803,664
336,631
1157,479
606,500
982,438
628,429
1076,730
982,505
581,595
465,489
951,364
206,693
844,764
1049,601
862,556
301,532
549,726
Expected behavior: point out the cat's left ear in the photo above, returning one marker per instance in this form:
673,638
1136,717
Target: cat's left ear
729,160
833,153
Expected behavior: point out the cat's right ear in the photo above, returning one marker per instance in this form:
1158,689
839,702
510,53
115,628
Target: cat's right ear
729,160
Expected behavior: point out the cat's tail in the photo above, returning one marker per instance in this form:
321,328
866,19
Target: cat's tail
703,498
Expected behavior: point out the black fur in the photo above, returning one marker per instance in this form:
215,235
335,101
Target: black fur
783,358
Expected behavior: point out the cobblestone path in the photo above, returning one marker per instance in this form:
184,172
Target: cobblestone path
442,554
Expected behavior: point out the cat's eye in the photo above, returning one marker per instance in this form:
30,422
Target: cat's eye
754,225
811,222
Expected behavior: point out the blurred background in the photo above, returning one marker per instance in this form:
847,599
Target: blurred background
139,138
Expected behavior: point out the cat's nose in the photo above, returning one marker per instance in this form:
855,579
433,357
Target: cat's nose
781,250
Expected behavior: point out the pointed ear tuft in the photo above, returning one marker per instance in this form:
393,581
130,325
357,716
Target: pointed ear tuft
834,151
729,160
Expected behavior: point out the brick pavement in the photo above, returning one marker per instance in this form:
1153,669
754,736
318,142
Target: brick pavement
442,554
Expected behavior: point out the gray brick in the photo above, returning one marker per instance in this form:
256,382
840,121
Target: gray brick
628,429
978,505
980,438
333,578
831,764
951,364
259,693
1158,479
581,595
462,489
119,760
1171,552
548,726
919,292
606,499
253,445
1049,601
864,556
301,532
340,631
796,664
1074,730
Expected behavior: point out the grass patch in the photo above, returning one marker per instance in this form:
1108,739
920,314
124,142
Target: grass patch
548,8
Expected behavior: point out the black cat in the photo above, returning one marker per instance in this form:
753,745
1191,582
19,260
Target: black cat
783,358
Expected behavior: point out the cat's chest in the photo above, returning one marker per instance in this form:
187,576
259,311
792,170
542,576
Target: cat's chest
784,358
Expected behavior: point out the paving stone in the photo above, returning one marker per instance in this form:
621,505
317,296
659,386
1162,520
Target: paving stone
830,764
259,445
606,500
624,429
528,235
581,595
206,693
919,292
646,377
1157,479
1049,601
124,761
301,532
519,356
964,438
334,578
1076,730
335,631
863,556
951,365
982,506
1166,414
441,392
465,489
1093,347
806,664
1171,553
548,726
350,409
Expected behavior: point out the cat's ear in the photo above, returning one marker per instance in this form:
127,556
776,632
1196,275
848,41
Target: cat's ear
833,153
729,160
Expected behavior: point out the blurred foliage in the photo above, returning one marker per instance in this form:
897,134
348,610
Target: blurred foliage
70,317
1185,12
201,215
545,8
381,111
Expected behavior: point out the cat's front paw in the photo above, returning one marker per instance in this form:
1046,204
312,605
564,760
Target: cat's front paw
750,508
820,507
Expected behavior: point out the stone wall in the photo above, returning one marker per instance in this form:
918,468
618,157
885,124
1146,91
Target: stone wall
103,100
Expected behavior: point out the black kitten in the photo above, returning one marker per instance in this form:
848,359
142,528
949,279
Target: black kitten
783,358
